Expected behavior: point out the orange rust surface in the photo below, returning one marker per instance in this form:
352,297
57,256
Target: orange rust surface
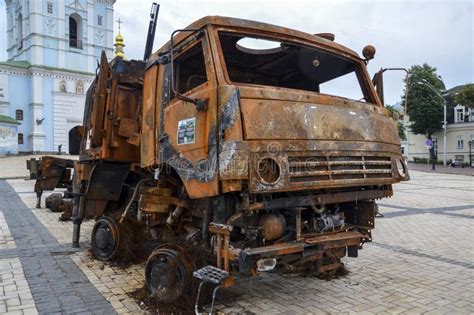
312,117
296,124
350,235
202,150
112,124
150,116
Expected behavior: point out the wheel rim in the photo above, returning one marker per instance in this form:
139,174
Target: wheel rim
105,239
168,274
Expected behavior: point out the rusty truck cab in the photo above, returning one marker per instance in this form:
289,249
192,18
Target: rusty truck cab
267,129
247,118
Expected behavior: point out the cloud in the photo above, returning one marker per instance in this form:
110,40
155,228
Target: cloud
404,32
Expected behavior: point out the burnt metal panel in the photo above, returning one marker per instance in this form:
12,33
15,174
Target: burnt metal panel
312,118
112,119
107,180
361,214
50,172
149,128
99,102
195,162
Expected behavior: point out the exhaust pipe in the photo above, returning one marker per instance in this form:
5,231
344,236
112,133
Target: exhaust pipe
155,8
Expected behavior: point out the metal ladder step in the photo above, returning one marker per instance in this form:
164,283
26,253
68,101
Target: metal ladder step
209,274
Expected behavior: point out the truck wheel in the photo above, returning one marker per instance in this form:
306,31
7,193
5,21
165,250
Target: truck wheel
105,239
168,273
112,240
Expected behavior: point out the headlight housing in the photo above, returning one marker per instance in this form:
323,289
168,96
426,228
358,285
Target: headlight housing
401,168
269,171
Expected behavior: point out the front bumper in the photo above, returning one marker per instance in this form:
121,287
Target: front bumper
308,249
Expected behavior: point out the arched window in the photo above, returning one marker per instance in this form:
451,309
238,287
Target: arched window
75,31
80,87
20,31
63,87
19,114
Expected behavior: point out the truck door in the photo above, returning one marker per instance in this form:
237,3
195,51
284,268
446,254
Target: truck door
188,141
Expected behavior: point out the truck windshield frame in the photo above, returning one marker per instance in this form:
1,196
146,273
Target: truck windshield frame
292,65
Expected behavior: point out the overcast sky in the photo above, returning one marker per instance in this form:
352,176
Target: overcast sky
439,33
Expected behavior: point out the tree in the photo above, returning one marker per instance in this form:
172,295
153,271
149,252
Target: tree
425,107
401,131
465,96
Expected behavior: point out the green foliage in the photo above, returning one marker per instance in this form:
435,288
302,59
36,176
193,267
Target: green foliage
425,107
466,96
401,131
420,160
425,161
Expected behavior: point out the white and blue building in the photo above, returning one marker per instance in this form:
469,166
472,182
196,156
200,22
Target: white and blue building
53,47
8,136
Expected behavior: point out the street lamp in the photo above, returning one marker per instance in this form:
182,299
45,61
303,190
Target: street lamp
430,86
407,86
406,83
470,142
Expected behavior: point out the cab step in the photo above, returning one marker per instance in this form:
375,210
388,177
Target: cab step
213,275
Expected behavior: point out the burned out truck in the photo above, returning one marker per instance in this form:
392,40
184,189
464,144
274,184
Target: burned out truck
235,159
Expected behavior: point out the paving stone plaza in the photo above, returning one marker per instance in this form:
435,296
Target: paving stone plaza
421,260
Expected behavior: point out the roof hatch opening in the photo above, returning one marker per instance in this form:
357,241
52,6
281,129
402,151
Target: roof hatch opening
258,46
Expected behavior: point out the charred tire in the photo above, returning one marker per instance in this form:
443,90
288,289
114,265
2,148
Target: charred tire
112,240
53,202
105,239
168,273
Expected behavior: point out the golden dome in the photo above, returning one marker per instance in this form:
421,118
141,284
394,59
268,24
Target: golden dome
119,43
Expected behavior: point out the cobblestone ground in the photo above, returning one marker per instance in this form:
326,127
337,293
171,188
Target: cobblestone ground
421,260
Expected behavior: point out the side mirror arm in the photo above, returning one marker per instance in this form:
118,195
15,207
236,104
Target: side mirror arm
377,81
201,105
407,82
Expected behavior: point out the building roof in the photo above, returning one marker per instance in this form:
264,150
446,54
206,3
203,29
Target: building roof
19,64
457,88
23,64
9,120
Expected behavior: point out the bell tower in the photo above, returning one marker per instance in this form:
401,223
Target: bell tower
67,34
52,48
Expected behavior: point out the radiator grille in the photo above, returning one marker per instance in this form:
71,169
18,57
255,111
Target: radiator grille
321,168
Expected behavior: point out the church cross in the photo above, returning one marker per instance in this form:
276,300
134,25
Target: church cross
119,22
